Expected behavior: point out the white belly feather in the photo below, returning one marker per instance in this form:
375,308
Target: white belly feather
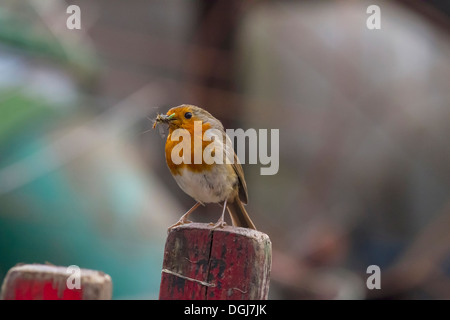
212,186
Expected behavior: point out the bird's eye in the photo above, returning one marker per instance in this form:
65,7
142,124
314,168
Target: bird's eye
188,115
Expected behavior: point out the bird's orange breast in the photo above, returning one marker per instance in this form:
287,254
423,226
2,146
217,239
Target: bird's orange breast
176,169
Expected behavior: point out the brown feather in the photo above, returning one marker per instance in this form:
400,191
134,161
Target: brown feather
239,215
243,193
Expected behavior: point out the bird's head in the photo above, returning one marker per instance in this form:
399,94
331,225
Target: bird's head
184,116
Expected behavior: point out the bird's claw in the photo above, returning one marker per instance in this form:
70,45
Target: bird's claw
219,224
178,223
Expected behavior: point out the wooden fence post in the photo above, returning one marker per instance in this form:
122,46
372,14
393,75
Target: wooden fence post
48,282
201,263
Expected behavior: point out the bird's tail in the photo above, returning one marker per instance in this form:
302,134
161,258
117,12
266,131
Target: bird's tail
239,215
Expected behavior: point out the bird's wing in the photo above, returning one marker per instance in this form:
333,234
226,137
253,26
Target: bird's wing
236,164
243,194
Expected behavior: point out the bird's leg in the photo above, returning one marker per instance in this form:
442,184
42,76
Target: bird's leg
183,219
221,222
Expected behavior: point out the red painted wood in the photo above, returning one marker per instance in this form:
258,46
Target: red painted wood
30,289
202,263
47,282
180,289
186,253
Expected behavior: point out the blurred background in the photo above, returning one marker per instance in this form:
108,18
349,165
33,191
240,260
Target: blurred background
363,115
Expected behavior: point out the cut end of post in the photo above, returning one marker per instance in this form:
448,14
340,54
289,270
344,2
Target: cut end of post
48,282
203,263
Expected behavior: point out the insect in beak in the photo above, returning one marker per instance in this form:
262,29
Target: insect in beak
162,118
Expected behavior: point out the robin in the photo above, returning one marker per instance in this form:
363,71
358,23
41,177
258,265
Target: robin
218,182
